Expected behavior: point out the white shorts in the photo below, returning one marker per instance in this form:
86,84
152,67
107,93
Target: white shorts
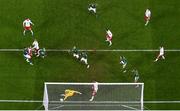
83,59
161,54
136,79
27,56
92,9
76,55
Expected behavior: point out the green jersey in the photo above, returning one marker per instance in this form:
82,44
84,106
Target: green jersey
84,55
75,50
136,74
42,52
123,60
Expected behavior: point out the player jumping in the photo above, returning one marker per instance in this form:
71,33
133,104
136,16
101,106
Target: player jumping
147,16
161,54
27,26
35,45
123,61
69,93
92,8
84,58
109,36
28,55
94,90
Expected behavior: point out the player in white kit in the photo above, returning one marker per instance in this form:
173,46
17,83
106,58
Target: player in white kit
35,45
27,26
147,16
161,54
92,8
109,36
94,90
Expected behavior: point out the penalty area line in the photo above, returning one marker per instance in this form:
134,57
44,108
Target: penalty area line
97,50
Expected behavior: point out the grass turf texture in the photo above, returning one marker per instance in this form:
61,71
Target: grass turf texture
65,23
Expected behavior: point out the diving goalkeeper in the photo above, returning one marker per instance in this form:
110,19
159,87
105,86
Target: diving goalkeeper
69,93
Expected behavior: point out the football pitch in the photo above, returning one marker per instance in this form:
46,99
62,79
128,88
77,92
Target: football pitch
62,24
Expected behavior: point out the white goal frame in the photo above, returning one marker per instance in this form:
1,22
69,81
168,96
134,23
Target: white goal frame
46,99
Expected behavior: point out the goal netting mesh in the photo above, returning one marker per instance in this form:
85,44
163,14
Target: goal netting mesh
110,96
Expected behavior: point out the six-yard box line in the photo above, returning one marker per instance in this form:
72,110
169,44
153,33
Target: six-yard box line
97,50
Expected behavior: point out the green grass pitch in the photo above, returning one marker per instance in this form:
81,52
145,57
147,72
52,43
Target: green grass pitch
61,24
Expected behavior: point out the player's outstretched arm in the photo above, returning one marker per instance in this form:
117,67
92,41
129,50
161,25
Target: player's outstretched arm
31,23
78,92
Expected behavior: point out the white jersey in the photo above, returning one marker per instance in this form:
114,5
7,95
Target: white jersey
35,45
161,51
27,23
109,33
148,13
95,86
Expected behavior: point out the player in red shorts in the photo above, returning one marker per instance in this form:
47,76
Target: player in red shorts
94,90
147,16
27,26
109,36
29,49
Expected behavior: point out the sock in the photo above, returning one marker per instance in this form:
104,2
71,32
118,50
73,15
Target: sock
32,32
24,32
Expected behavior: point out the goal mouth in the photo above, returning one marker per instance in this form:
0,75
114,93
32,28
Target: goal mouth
109,96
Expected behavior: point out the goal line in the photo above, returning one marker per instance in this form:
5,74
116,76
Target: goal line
40,101
97,50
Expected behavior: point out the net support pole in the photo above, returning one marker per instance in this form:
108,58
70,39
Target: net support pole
142,97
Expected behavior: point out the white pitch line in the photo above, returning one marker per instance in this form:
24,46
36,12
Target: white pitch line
20,101
97,50
105,102
129,107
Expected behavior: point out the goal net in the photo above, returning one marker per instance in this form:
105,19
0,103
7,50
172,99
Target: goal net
110,96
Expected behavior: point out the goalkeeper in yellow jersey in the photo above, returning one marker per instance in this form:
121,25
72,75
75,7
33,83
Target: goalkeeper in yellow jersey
69,93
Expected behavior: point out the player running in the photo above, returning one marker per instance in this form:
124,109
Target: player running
147,16
123,61
94,90
69,93
109,36
27,53
84,58
75,52
161,54
92,8
27,26
35,45
136,76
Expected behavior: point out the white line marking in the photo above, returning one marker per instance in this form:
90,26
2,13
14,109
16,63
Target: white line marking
64,83
57,107
129,107
159,102
21,101
98,50
40,101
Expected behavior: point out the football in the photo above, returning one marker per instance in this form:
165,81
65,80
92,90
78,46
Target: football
61,100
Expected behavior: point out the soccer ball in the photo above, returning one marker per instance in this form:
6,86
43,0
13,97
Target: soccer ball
61,100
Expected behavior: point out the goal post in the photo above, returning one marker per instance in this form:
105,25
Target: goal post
45,98
110,96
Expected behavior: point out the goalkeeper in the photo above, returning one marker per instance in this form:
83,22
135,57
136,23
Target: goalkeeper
69,93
